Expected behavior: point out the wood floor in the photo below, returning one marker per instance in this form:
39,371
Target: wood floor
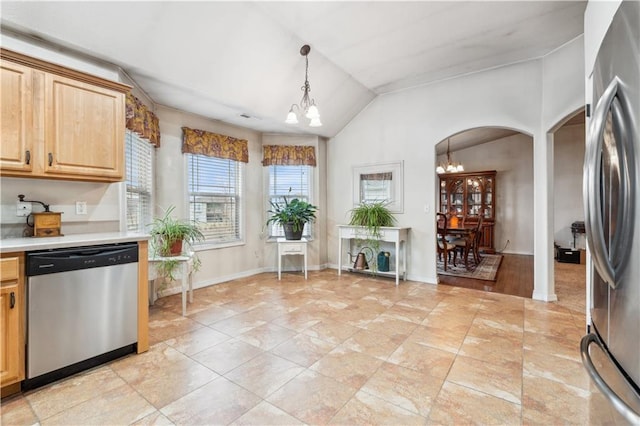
515,277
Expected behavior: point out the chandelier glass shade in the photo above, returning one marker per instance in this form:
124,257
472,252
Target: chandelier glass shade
450,166
307,106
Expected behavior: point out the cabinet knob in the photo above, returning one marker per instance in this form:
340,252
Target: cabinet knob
12,300
50,159
27,157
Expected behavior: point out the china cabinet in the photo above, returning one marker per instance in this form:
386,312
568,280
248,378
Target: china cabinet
467,196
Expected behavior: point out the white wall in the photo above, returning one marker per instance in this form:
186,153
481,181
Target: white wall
407,125
568,157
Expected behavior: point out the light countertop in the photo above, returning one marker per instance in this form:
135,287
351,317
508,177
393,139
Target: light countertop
75,240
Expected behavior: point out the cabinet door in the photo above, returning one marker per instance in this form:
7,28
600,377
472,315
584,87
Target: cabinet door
84,130
17,125
11,317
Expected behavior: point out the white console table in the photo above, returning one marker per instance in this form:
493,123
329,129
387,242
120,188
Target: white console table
392,234
292,247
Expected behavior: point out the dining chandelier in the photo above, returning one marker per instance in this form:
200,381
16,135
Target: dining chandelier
307,105
450,167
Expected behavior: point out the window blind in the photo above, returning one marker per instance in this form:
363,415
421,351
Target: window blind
215,199
291,182
139,181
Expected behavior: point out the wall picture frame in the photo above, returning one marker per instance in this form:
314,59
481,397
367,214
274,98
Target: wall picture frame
379,182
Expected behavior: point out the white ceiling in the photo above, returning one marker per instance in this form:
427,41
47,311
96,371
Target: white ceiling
224,59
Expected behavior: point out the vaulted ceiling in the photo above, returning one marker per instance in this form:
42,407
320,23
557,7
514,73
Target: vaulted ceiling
229,60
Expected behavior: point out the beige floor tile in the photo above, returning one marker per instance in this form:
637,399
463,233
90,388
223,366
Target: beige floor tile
390,326
218,402
558,369
312,397
227,355
347,366
210,315
442,337
406,313
502,380
264,374
490,347
267,336
15,410
562,328
431,361
121,405
302,349
64,394
266,414
165,324
549,402
458,405
163,374
154,419
198,340
373,344
409,389
298,320
558,346
331,331
366,409
238,324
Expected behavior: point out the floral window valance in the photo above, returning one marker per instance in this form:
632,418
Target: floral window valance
142,121
288,155
214,145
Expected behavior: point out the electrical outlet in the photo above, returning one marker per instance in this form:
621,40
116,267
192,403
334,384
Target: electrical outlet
23,209
81,207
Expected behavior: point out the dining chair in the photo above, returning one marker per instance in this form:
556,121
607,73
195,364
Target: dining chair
444,247
470,243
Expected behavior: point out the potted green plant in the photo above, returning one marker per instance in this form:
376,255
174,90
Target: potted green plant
169,238
292,215
371,216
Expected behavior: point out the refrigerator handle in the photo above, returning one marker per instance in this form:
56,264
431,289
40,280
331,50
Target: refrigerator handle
592,191
627,412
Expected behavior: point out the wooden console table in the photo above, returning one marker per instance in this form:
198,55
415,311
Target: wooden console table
398,236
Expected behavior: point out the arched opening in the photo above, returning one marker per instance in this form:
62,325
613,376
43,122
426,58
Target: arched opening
497,183
568,211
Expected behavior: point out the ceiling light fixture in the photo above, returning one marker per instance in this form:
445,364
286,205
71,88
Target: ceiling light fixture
450,167
307,106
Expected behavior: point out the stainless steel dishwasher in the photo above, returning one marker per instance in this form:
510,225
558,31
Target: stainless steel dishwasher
82,306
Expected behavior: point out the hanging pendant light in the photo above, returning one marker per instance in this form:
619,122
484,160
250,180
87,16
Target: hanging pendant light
450,166
307,105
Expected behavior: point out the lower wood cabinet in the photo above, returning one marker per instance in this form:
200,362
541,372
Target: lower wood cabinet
12,319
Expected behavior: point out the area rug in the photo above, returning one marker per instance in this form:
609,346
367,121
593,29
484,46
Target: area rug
486,270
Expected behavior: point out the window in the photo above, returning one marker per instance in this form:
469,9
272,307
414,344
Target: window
291,182
215,197
139,181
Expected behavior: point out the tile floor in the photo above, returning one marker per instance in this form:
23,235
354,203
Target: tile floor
336,350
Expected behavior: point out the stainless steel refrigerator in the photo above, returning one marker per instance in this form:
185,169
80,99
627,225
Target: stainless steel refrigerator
612,215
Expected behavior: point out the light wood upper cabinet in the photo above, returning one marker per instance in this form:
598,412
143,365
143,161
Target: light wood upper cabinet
84,131
64,124
17,125
12,319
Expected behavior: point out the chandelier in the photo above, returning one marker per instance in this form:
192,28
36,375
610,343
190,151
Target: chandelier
450,167
307,106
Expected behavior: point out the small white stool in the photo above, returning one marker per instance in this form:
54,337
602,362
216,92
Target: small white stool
292,247
183,272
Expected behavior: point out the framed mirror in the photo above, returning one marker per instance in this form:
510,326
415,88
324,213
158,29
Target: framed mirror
379,182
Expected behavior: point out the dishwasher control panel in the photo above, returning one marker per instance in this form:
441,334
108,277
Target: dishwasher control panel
70,259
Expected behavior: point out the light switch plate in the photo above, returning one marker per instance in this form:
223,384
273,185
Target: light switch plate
23,209
81,207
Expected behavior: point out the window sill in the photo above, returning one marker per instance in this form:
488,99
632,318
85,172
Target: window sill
214,246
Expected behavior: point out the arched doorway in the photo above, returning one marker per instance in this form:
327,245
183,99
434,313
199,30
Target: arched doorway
509,153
